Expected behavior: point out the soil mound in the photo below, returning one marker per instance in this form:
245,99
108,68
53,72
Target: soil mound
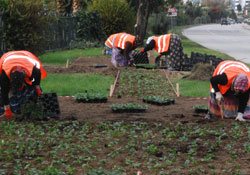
202,72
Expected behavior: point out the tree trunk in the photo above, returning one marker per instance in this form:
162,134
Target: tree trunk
142,18
76,5
60,6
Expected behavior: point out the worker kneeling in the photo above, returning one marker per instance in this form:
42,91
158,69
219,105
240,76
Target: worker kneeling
20,74
229,91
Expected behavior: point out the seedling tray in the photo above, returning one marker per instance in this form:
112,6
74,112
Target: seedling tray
147,66
128,108
200,108
104,100
91,97
160,101
50,105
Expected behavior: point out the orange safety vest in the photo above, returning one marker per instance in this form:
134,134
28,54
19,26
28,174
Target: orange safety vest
122,38
162,43
109,41
24,59
231,69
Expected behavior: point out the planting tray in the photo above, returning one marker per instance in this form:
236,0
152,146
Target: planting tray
103,100
50,105
146,66
128,110
164,103
160,102
200,109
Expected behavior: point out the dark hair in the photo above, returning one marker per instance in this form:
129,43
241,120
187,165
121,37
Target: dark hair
17,80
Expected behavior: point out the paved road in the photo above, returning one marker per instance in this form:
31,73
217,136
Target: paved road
234,40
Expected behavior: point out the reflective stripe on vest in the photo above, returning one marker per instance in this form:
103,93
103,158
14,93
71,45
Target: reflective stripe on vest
162,43
34,62
122,38
231,69
227,64
109,41
24,59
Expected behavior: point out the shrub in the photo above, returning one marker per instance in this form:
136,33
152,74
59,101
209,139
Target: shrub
26,20
116,15
159,23
89,26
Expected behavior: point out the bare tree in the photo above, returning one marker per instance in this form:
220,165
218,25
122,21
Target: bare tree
76,5
144,9
142,18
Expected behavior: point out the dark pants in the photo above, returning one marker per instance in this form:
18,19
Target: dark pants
17,98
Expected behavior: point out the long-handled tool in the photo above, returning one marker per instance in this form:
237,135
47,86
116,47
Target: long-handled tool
221,106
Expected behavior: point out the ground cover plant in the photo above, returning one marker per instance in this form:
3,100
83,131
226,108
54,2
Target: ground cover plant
90,139
71,147
91,97
147,66
128,107
158,100
140,82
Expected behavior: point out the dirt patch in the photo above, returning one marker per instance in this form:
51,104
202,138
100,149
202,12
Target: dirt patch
202,72
85,65
91,139
70,109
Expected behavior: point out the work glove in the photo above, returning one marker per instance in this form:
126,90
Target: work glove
240,117
142,50
38,91
8,114
218,96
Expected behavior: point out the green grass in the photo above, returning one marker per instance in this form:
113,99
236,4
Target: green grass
62,84
71,84
192,88
61,57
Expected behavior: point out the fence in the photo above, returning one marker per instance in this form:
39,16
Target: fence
59,36
61,33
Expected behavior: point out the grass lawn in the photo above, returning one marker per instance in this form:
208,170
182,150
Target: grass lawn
199,89
71,84
61,57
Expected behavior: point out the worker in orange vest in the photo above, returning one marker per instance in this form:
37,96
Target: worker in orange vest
229,91
19,71
169,45
123,45
109,44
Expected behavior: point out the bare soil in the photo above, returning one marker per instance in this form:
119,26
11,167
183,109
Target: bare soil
180,112
70,109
